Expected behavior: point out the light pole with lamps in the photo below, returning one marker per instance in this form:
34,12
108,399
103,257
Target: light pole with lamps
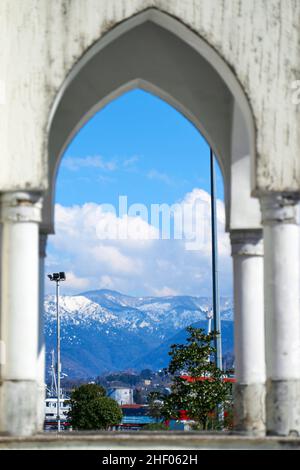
57,277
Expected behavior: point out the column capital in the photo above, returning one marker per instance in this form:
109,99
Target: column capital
21,206
247,242
280,208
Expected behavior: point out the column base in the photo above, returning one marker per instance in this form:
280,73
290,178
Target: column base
249,409
41,395
283,407
18,412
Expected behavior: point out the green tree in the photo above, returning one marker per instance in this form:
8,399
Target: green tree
91,409
202,390
155,402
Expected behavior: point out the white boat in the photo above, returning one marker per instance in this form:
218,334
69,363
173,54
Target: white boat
51,403
51,413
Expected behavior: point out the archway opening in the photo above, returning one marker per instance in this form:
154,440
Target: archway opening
134,280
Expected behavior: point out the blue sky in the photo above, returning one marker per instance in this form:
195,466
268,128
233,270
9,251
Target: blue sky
156,155
141,147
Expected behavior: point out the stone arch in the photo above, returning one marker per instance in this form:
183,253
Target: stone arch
45,40
154,51
157,52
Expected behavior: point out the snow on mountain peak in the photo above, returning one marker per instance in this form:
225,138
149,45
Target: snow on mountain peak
116,309
106,330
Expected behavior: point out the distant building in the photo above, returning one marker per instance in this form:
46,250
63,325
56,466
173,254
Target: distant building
135,417
122,395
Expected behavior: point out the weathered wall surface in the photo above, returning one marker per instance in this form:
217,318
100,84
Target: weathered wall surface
41,40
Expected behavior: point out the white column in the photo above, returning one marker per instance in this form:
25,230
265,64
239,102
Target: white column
20,216
41,336
282,313
250,369
2,348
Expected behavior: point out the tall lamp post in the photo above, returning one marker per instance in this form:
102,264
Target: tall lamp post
215,274
57,278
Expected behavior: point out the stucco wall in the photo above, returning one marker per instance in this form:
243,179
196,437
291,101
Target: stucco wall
41,40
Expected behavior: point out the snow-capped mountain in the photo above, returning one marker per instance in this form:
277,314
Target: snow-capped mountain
105,330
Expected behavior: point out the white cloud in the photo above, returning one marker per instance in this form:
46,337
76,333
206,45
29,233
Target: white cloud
99,162
201,221
77,283
112,259
96,161
159,176
106,282
165,291
128,162
109,226
147,266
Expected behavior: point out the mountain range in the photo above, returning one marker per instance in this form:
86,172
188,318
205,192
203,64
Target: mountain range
104,331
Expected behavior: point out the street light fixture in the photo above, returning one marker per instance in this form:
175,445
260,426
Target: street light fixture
57,278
